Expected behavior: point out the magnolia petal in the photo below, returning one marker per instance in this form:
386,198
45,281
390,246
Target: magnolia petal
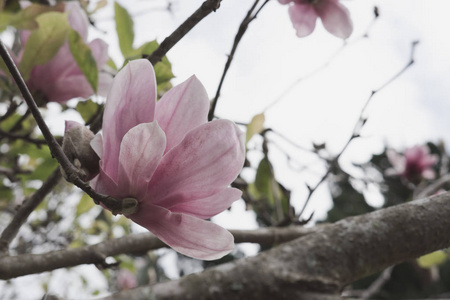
284,1
97,145
105,81
67,88
182,109
335,18
303,17
207,207
103,184
186,234
77,19
100,52
140,153
131,101
207,160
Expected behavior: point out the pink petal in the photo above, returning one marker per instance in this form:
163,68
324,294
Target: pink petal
207,207
97,145
182,109
207,160
100,52
186,234
71,124
131,101
303,17
105,81
140,153
284,1
102,183
335,18
77,18
67,88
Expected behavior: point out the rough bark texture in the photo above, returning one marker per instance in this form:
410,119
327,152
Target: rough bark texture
319,265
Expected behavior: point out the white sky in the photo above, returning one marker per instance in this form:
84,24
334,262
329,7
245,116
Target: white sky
324,108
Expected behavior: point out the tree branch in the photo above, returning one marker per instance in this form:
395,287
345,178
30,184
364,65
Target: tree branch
14,266
205,9
320,264
242,29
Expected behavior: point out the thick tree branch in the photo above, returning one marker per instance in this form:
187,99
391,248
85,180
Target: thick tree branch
321,263
14,266
205,9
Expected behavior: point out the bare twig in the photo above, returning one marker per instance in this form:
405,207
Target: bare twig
205,9
321,67
25,137
378,283
358,126
242,29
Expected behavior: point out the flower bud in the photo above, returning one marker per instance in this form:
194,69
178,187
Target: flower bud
76,146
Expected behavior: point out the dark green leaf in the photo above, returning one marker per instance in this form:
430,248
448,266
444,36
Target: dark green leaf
124,28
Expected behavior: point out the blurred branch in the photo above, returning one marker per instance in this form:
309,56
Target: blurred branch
320,263
25,210
334,162
205,9
72,174
242,29
25,137
14,266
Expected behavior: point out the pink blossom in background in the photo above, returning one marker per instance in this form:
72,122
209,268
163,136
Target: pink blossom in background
416,163
61,79
126,280
167,156
335,17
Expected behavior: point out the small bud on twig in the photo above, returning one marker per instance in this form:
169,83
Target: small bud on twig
76,146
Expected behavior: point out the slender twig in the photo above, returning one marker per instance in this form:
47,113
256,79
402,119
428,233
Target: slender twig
25,210
358,126
205,9
378,283
72,174
321,67
25,137
242,29
14,266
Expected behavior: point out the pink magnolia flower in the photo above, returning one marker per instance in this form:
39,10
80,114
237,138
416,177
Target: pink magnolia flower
61,79
170,159
416,163
126,280
335,17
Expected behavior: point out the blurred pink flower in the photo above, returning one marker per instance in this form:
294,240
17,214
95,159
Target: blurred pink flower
414,165
61,79
167,156
335,17
126,280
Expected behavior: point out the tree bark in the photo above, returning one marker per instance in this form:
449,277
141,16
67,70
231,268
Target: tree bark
321,264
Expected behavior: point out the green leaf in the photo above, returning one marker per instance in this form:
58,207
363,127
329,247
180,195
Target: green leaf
87,109
433,259
111,64
85,204
84,58
124,28
256,126
44,42
25,19
265,182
